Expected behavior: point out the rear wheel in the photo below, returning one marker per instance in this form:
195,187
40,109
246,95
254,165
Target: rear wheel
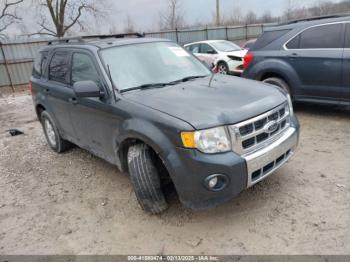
278,82
55,141
146,179
222,68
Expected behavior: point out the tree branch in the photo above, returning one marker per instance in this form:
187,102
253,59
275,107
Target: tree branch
7,18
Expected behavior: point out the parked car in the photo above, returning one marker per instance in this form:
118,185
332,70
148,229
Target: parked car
226,56
247,45
307,58
210,135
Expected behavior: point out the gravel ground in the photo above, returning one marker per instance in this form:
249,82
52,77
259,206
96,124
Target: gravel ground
76,203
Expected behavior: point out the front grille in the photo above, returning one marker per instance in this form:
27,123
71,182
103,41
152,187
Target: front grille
250,135
265,170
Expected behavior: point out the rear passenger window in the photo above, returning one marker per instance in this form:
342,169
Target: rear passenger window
39,62
294,43
83,69
59,67
314,38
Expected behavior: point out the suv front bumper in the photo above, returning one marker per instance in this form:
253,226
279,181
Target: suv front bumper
192,167
267,160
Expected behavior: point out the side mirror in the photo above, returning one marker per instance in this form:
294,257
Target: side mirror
211,52
87,89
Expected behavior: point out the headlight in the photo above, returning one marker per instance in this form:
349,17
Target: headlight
210,141
290,104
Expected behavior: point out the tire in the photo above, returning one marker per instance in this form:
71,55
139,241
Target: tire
145,179
54,139
278,82
223,68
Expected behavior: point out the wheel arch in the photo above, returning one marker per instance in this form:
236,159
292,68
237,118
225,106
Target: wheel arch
222,61
277,68
39,108
151,135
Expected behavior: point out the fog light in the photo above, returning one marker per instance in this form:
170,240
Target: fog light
213,182
216,182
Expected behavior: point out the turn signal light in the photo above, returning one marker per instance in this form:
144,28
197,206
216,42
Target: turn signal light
188,139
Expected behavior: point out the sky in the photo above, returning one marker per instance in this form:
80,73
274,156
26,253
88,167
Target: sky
145,13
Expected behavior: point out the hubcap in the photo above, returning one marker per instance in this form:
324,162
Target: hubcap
222,69
50,132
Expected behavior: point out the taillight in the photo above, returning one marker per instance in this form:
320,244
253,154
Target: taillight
31,87
248,59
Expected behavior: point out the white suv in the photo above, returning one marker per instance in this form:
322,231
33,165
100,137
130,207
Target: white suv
226,56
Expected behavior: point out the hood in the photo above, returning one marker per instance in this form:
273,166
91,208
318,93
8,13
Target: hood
239,53
227,100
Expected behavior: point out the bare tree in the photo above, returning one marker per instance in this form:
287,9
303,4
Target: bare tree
289,10
173,16
65,14
251,18
236,17
8,14
129,26
267,17
323,8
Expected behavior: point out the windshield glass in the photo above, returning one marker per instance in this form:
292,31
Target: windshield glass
225,46
148,63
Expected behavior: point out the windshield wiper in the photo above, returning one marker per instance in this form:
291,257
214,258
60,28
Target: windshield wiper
145,86
160,85
187,78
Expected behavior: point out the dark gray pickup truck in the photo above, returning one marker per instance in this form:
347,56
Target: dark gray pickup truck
156,112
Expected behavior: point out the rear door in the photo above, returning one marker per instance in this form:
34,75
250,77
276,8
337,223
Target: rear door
316,55
345,91
58,91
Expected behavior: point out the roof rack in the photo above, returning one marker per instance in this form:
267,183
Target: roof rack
314,18
81,39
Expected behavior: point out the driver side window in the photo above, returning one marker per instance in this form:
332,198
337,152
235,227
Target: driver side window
83,69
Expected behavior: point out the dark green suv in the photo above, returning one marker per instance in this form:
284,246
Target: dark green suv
157,113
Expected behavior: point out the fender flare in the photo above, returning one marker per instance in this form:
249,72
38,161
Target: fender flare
279,68
146,132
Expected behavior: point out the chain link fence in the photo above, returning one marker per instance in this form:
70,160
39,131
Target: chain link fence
16,58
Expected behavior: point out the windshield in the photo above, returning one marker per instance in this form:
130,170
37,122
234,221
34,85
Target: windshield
149,63
225,46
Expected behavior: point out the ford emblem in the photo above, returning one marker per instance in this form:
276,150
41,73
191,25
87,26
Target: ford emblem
271,127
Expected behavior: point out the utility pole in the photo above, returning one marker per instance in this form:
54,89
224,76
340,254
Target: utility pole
218,12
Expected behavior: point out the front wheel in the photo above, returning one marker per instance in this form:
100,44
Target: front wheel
145,179
278,82
222,68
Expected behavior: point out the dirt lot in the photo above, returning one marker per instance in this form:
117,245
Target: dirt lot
76,203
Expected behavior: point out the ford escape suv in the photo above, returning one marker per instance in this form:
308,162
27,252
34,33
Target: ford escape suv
308,58
156,112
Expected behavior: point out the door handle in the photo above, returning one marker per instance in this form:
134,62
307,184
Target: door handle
73,100
47,90
293,55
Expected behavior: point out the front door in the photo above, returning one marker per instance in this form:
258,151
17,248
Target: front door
94,122
207,54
